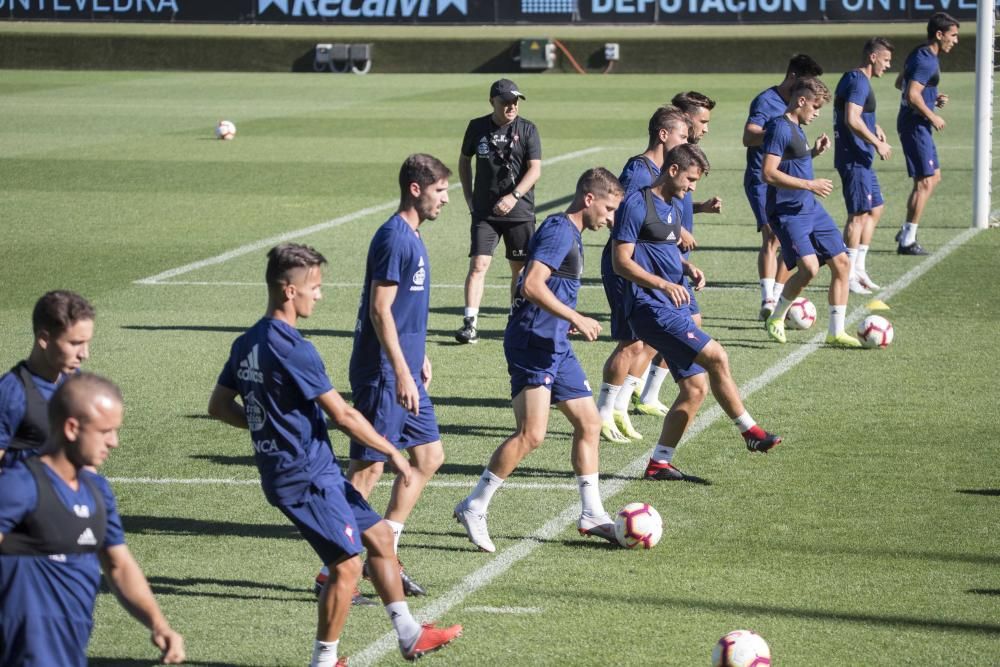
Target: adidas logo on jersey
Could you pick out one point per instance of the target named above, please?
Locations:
(250, 368)
(671, 237)
(87, 538)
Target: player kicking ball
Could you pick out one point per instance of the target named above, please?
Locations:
(808, 235)
(543, 369)
(656, 302)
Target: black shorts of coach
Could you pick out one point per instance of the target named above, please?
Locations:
(486, 235)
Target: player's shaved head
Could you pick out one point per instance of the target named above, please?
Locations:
(876, 44)
(80, 397)
(285, 258)
(668, 118)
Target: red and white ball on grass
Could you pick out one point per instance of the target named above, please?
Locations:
(802, 314)
(875, 331)
(741, 648)
(638, 525)
(225, 130)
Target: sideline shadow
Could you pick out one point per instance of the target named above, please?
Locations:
(223, 328)
(979, 492)
(98, 661)
(142, 524)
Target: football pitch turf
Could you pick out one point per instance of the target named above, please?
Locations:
(869, 537)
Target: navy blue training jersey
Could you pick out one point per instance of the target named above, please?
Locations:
(923, 67)
(396, 254)
(787, 140)
(765, 107)
(656, 248)
(558, 244)
(278, 375)
(639, 172)
(849, 148)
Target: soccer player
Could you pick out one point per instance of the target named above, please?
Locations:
(857, 138)
(501, 200)
(623, 371)
(389, 369)
(284, 392)
(769, 104)
(809, 237)
(60, 528)
(63, 324)
(916, 121)
(543, 369)
(647, 256)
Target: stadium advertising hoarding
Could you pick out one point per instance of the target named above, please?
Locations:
(484, 11)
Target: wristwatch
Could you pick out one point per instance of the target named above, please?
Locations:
(517, 195)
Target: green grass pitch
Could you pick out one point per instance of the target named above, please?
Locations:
(868, 538)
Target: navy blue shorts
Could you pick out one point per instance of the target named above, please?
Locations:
(332, 520)
(673, 334)
(377, 402)
(757, 196)
(862, 192)
(560, 372)
(919, 150)
(813, 233)
(693, 306)
(614, 290)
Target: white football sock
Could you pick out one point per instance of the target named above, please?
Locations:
(324, 654)
(852, 257)
(862, 255)
(778, 289)
(481, 496)
(781, 310)
(621, 402)
(645, 374)
(744, 422)
(406, 627)
(474, 314)
(397, 531)
(837, 315)
(909, 234)
(766, 288)
(663, 454)
(606, 400)
(590, 494)
(651, 392)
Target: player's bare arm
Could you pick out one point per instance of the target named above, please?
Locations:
(353, 424)
(222, 405)
(821, 145)
(380, 311)
(688, 241)
(771, 175)
(858, 127)
(713, 205)
(465, 176)
(629, 269)
(753, 135)
(531, 175)
(915, 97)
(696, 275)
(129, 584)
(535, 290)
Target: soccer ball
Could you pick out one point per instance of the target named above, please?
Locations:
(741, 648)
(875, 331)
(802, 314)
(638, 525)
(225, 130)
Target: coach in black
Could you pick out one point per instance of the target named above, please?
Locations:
(508, 155)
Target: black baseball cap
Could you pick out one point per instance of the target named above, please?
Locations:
(506, 90)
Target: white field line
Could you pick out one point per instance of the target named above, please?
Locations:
(227, 283)
(439, 484)
(306, 231)
(504, 610)
(520, 550)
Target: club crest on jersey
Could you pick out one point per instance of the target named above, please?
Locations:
(81, 511)
(254, 409)
(483, 149)
(419, 277)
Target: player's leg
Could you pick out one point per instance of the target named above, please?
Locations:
(615, 370)
(485, 238)
(516, 237)
(797, 251)
(828, 244)
(923, 167)
(414, 639)
(531, 413)
(640, 356)
(691, 392)
(334, 605)
(571, 394)
(364, 475)
(649, 399)
(867, 234)
(767, 256)
(714, 359)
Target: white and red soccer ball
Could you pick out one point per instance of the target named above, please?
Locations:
(875, 331)
(802, 314)
(225, 130)
(741, 648)
(638, 525)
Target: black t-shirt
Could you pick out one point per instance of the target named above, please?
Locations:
(501, 156)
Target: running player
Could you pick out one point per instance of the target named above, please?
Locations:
(543, 369)
(284, 397)
(809, 237)
(857, 138)
(769, 104)
(917, 120)
(656, 302)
